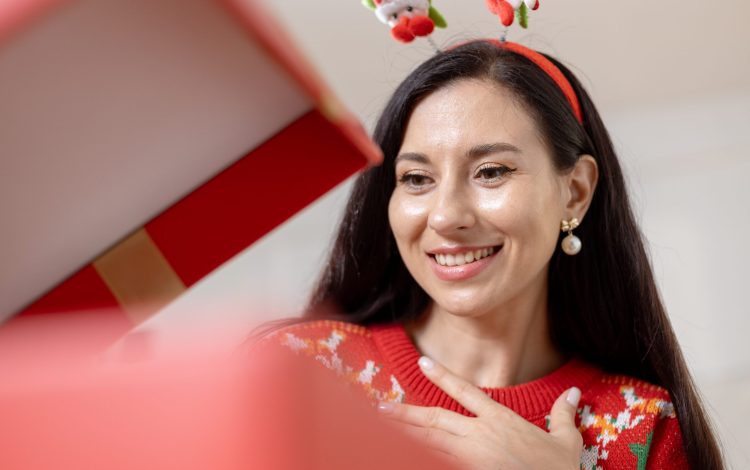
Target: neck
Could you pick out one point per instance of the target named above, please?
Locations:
(507, 346)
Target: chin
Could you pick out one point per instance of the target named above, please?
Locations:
(459, 307)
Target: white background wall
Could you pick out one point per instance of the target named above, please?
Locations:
(672, 80)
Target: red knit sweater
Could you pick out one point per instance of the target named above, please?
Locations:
(626, 423)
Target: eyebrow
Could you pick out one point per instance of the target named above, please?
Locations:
(475, 152)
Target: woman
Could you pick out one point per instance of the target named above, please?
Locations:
(451, 250)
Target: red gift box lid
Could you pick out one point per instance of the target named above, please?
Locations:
(137, 136)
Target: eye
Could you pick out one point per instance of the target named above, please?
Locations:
(492, 173)
(415, 180)
(395, 16)
(409, 9)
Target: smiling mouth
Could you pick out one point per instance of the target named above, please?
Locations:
(464, 258)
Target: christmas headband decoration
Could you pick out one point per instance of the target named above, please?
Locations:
(409, 19)
(508, 9)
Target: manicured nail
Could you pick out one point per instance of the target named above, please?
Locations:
(574, 395)
(426, 363)
(385, 407)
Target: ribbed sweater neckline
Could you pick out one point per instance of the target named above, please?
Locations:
(532, 400)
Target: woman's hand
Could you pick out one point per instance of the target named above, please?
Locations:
(497, 438)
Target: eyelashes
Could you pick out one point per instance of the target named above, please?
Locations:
(499, 171)
(486, 173)
(413, 179)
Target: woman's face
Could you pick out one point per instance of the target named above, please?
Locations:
(474, 180)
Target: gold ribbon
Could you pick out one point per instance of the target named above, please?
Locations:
(139, 276)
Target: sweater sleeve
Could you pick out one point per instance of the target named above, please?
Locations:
(666, 450)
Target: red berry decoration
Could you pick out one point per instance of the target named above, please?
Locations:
(421, 26)
(503, 9)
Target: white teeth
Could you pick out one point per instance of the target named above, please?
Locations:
(463, 258)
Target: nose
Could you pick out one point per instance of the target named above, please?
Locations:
(452, 209)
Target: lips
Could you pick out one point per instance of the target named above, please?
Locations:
(464, 271)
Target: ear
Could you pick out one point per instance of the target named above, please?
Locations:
(581, 183)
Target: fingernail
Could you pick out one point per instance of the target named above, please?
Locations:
(385, 407)
(425, 363)
(574, 395)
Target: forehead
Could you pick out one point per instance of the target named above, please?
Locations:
(468, 113)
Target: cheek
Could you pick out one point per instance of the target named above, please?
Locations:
(526, 215)
(510, 210)
(407, 217)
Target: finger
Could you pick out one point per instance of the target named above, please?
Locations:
(427, 417)
(468, 395)
(436, 439)
(562, 418)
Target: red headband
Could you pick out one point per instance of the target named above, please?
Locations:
(549, 68)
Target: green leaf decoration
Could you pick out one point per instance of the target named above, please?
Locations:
(436, 17)
(522, 14)
(641, 451)
(369, 4)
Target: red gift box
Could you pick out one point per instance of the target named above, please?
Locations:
(146, 142)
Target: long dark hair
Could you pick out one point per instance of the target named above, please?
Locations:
(604, 305)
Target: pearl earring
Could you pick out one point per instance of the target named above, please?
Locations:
(571, 244)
